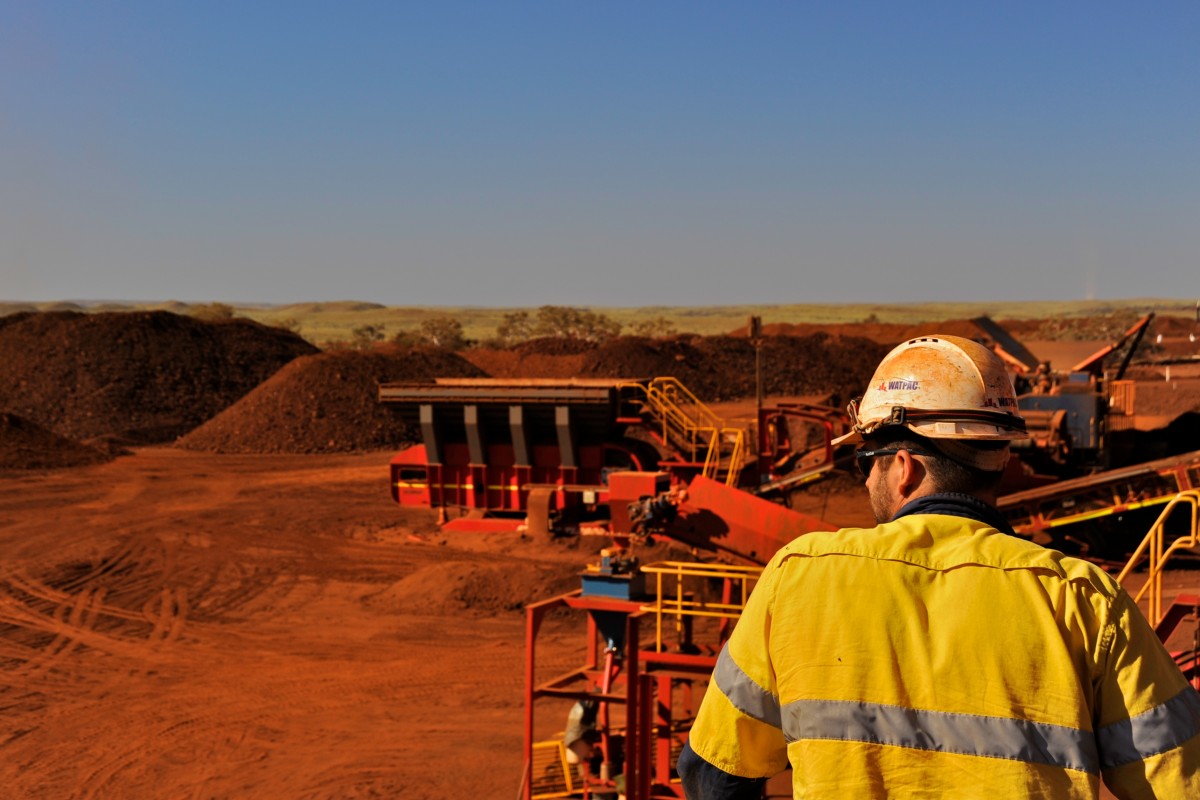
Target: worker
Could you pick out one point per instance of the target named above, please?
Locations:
(937, 655)
(1044, 382)
(583, 742)
(581, 735)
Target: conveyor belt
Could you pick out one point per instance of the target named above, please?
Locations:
(1048, 512)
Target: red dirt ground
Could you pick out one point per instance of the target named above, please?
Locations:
(182, 622)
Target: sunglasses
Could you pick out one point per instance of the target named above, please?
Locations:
(865, 458)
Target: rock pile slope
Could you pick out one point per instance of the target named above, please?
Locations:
(25, 445)
(146, 377)
(325, 403)
(719, 368)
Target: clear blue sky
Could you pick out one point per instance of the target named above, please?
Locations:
(599, 153)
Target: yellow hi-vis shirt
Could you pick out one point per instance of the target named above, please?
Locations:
(935, 657)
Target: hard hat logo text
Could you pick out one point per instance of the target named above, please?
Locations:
(899, 386)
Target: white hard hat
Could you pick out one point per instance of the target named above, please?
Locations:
(939, 387)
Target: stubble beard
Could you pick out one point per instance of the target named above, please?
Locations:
(881, 499)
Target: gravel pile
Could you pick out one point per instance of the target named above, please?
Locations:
(326, 403)
(146, 377)
(25, 445)
(720, 368)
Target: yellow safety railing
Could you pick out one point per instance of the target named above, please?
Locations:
(551, 771)
(1155, 549)
(688, 421)
(736, 439)
(675, 603)
(682, 413)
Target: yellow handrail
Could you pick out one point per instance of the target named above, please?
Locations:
(735, 455)
(1152, 546)
(551, 771)
(692, 422)
(676, 604)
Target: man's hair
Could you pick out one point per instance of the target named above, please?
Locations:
(949, 475)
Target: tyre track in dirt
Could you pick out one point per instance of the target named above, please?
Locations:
(329, 702)
(284, 631)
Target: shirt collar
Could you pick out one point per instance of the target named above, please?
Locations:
(956, 504)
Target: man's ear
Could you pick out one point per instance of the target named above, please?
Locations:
(911, 473)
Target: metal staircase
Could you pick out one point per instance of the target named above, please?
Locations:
(1156, 552)
(690, 428)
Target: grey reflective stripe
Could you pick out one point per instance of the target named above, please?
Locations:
(964, 734)
(746, 695)
(1158, 730)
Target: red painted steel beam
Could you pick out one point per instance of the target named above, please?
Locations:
(718, 518)
(1184, 606)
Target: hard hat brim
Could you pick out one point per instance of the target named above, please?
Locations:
(853, 437)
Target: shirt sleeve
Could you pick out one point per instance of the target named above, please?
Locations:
(1147, 714)
(702, 781)
(738, 728)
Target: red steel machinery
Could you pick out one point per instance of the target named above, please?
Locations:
(540, 452)
(634, 459)
(653, 633)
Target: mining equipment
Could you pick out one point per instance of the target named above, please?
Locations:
(537, 454)
(1100, 516)
(1072, 415)
(1088, 487)
(633, 459)
(652, 636)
